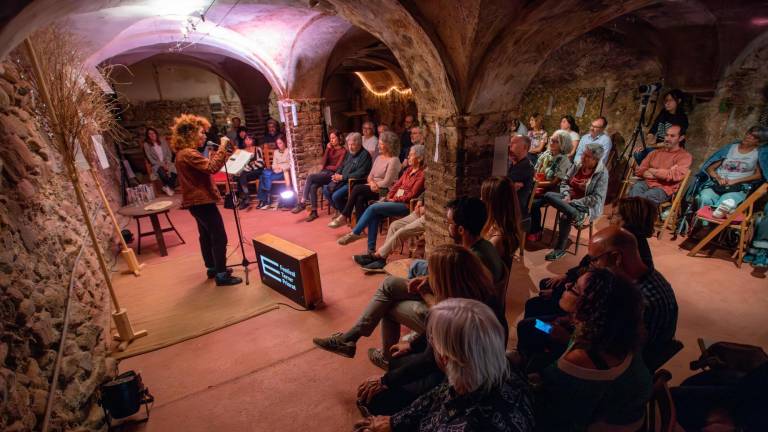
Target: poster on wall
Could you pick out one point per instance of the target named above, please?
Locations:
(581, 106)
(500, 155)
(327, 114)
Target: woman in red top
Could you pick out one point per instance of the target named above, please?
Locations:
(397, 203)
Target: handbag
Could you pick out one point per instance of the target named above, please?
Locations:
(123, 396)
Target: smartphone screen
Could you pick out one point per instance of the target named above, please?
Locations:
(541, 325)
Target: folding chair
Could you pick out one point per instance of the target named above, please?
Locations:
(741, 223)
(674, 206)
(660, 414)
(588, 224)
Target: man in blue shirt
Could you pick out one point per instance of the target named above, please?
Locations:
(596, 135)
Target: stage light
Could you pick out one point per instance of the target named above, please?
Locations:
(286, 195)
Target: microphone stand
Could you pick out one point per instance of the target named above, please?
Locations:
(236, 211)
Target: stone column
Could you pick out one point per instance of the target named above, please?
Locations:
(306, 137)
(465, 159)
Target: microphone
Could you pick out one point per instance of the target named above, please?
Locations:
(227, 144)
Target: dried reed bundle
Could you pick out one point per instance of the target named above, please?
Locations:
(78, 107)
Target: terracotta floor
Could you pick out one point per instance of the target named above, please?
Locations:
(265, 375)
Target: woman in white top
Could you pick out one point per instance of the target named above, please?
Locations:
(370, 142)
(160, 158)
(568, 124)
(280, 170)
(252, 171)
(383, 174)
(538, 136)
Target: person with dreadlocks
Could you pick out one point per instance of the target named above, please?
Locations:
(199, 194)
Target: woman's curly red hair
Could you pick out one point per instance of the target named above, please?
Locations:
(185, 132)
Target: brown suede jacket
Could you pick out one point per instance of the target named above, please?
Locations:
(195, 176)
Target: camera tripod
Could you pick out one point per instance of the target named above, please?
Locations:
(629, 149)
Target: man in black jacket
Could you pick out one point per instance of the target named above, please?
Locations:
(356, 165)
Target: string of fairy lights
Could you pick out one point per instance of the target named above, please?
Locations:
(393, 89)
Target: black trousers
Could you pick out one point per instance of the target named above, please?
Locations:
(358, 200)
(315, 181)
(168, 178)
(242, 182)
(213, 236)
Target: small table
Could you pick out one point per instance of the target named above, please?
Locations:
(161, 205)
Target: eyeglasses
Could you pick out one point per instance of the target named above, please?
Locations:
(595, 127)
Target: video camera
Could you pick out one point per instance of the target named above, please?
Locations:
(649, 89)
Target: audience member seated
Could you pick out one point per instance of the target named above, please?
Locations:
(568, 124)
(538, 136)
(517, 127)
(481, 393)
(638, 216)
(411, 368)
(553, 165)
(596, 135)
(732, 171)
(383, 174)
(405, 137)
(370, 142)
(598, 383)
(252, 171)
(280, 170)
(466, 218)
(332, 160)
(380, 129)
(417, 138)
(581, 197)
(758, 253)
(615, 249)
(397, 202)
(271, 134)
(662, 171)
(520, 170)
(242, 133)
(672, 114)
(356, 165)
(160, 159)
(233, 130)
(504, 225)
(399, 231)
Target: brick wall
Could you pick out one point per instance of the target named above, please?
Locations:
(307, 137)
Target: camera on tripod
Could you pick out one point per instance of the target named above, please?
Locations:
(649, 89)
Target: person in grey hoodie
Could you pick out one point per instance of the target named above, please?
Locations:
(581, 196)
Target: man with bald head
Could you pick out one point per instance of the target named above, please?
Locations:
(615, 249)
(520, 170)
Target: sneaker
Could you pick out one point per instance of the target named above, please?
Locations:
(312, 216)
(580, 220)
(349, 238)
(263, 206)
(533, 237)
(364, 260)
(377, 358)
(336, 345)
(298, 209)
(227, 279)
(338, 221)
(555, 255)
(212, 273)
(376, 266)
(168, 191)
(724, 209)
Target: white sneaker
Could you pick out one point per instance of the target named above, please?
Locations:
(168, 191)
(724, 209)
(338, 221)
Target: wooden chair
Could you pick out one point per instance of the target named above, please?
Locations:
(740, 220)
(660, 414)
(674, 206)
(629, 179)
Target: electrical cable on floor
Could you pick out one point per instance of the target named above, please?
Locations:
(64, 329)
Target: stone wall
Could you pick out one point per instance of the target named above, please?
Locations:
(40, 235)
(307, 137)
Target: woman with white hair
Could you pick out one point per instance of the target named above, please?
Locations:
(581, 198)
(481, 393)
(397, 202)
(370, 142)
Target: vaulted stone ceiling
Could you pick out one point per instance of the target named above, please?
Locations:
(468, 56)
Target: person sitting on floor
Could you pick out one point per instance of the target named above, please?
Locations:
(521, 170)
(481, 393)
(199, 195)
(466, 218)
(732, 171)
(160, 159)
(663, 170)
(581, 198)
(409, 186)
(332, 159)
(504, 225)
(280, 170)
(399, 231)
(552, 165)
(598, 383)
(598, 136)
(252, 171)
(383, 174)
(411, 368)
(356, 165)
